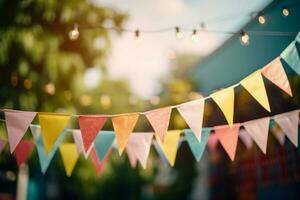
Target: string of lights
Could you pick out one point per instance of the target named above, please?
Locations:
(244, 36)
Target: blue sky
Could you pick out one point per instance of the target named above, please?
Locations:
(147, 62)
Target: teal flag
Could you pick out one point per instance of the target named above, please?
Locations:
(291, 57)
(103, 142)
(197, 147)
(43, 157)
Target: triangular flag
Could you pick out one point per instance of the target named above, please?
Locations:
(193, 112)
(77, 136)
(274, 71)
(254, 84)
(277, 132)
(291, 57)
(123, 126)
(288, 122)
(138, 148)
(212, 142)
(196, 146)
(90, 126)
(52, 126)
(169, 147)
(258, 130)
(225, 100)
(17, 122)
(99, 165)
(161, 153)
(228, 137)
(159, 120)
(69, 156)
(43, 157)
(2, 144)
(246, 138)
(23, 150)
(103, 143)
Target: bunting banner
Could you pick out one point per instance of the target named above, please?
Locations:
(193, 112)
(90, 127)
(17, 122)
(159, 120)
(99, 165)
(197, 147)
(225, 100)
(254, 84)
(52, 125)
(228, 137)
(77, 136)
(123, 126)
(23, 150)
(291, 56)
(69, 156)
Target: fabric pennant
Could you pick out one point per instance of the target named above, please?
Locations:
(254, 84)
(159, 120)
(228, 137)
(192, 112)
(99, 165)
(246, 138)
(17, 122)
(52, 125)
(197, 147)
(274, 71)
(90, 126)
(123, 126)
(259, 129)
(45, 159)
(291, 57)
(170, 145)
(69, 156)
(2, 144)
(225, 100)
(23, 150)
(138, 148)
(288, 122)
(77, 136)
(212, 142)
(103, 143)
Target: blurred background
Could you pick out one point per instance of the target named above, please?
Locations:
(44, 66)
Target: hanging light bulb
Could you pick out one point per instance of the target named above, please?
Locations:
(285, 11)
(194, 36)
(179, 34)
(244, 38)
(137, 36)
(74, 33)
(262, 19)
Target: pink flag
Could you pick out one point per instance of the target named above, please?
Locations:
(193, 112)
(212, 142)
(17, 122)
(228, 136)
(274, 71)
(138, 148)
(2, 145)
(288, 122)
(90, 127)
(23, 151)
(258, 129)
(79, 143)
(159, 120)
(99, 165)
(245, 137)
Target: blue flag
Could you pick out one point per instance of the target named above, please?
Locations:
(103, 142)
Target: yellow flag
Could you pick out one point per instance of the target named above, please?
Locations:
(123, 126)
(52, 126)
(225, 100)
(254, 84)
(69, 156)
(169, 147)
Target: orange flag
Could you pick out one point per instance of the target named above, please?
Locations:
(123, 126)
(228, 136)
(159, 120)
(274, 71)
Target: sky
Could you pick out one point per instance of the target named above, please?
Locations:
(147, 62)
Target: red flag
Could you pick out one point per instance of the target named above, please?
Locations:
(23, 151)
